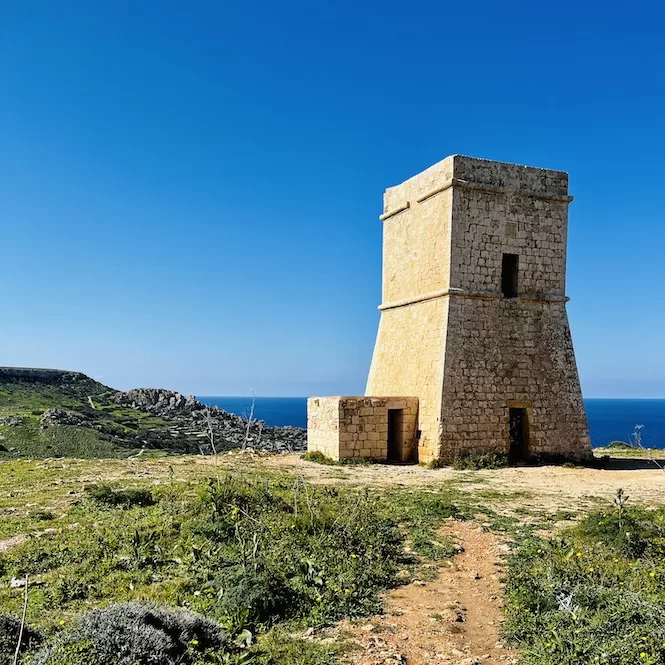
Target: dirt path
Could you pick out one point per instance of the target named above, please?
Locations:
(455, 618)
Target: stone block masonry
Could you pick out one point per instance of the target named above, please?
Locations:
(473, 321)
(377, 428)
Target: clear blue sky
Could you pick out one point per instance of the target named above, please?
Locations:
(189, 191)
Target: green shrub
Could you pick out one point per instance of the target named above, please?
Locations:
(633, 532)
(318, 457)
(303, 552)
(433, 548)
(10, 629)
(105, 495)
(593, 594)
(252, 595)
(476, 461)
(135, 634)
(620, 445)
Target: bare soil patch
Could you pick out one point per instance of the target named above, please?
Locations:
(544, 487)
(455, 618)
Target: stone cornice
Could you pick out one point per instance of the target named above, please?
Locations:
(469, 293)
(392, 213)
(479, 186)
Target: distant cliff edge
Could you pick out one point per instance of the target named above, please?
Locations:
(58, 413)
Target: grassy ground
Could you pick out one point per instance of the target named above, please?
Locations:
(259, 548)
(631, 452)
(114, 431)
(593, 594)
(256, 550)
(109, 429)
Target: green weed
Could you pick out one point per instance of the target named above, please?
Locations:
(474, 462)
(105, 495)
(594, 593)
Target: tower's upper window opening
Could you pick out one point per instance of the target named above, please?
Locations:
(509, 274)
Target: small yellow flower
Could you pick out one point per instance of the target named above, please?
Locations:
(194, 643)
(652, 574)
(61, 622)
(591, 570)
(579, 554)
(643, 654)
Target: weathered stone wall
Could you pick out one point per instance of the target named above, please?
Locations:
(323, 426)
(448, 336)
(416, 241)
(408, 355)
(489, 223)
(510, 353)
(408, 360)
(357, 427)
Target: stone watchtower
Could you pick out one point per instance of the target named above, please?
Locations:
(473, 323)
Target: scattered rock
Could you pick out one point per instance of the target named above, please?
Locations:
(190, 423)
(62, 417)
(6, 545)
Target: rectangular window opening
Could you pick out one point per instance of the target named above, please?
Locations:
(509, 272)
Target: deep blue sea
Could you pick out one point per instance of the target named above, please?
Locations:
(609, 419)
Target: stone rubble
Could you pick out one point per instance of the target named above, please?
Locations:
(192, 419)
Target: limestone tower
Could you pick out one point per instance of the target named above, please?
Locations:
(473, 314)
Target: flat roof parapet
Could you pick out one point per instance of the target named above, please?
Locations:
(474, 173)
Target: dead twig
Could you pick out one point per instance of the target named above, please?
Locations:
(637, 442)
(25, 611)
(211, 438)
(249, 420)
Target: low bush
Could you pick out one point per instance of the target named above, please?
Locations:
(299, 552)
(137, 634)
(476, 461)
(253, 595)
(593, 594)
(318, 457)
(10, 629)
(106, 495)
(620, 445)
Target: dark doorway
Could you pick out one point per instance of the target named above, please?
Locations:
(395, 435)
(509, 272)
(519, 435)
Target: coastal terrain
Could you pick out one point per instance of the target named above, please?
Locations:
(123, 528)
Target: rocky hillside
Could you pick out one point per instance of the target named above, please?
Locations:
(47, 413)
